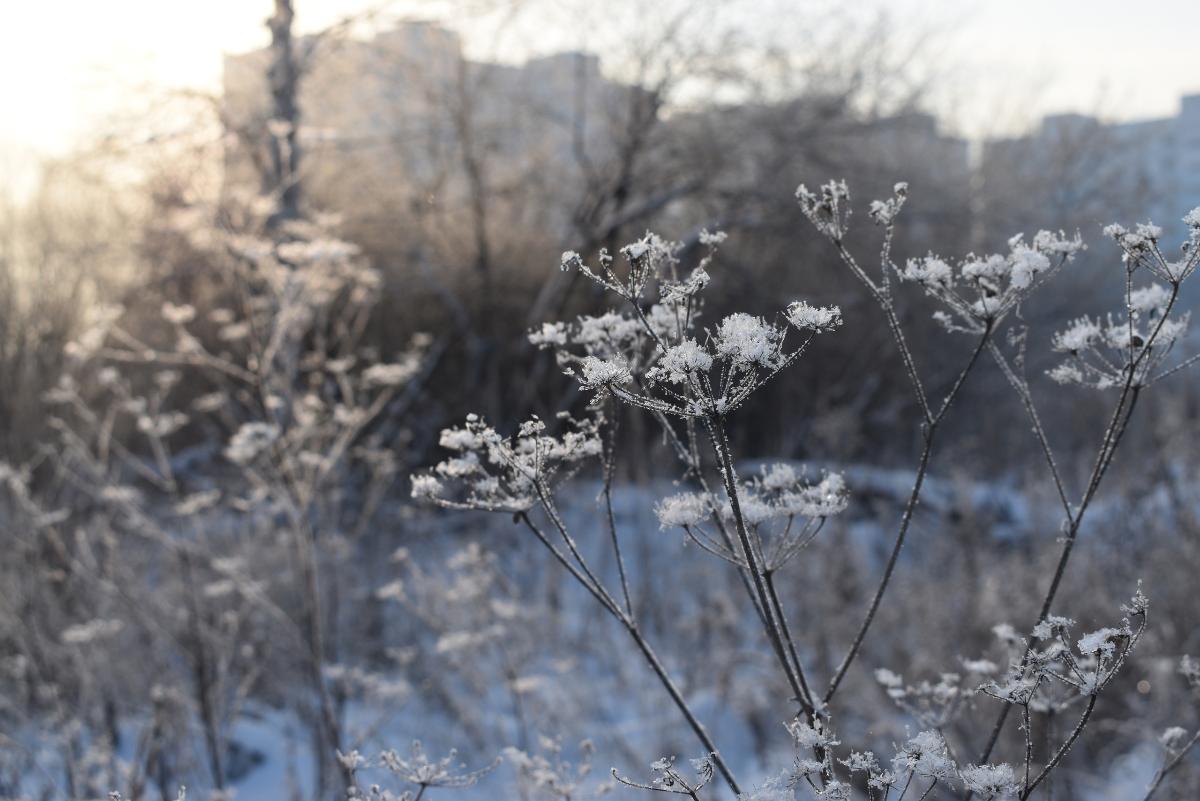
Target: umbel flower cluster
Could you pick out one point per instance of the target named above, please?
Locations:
(1132, 347)
(416, 769)
(501, 474)
(1086, 666)
(653, 355)
(784, 511)
(977, 292)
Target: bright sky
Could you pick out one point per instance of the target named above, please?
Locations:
(1020, 59)
(69, 64)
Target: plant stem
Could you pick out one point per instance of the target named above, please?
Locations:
(720, 445)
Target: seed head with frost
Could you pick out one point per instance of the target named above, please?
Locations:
(828, 209)
(814, 318)
(683, 510)
(680, 362)
(494, 473)
(980, 291)
(924, 755)
(990, 782)
(596, 373)
(1132, 348)
(669, 779)
(933, 704)
(549, 773)
(746, 341)
(417, 768)
(650, 355)
(783, 511)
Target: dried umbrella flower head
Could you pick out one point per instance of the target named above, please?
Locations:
(493, 473)
(784, 511)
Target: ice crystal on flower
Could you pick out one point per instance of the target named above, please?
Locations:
(493, 473)
(417, 768)
(596, 373)
(924, 755)
(748, 340)
(814, 318)
(1027, 264)
(811, 735)
(685, 509)
(681, 361)
(1051, 625)
(1173, 737)
(930, 271)
(990, 781)
(1102, 641)
(1082, 333)
(425, 487)
(550, 334)
(681, 291)
(1154, 297)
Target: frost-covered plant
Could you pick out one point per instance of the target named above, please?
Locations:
(498, 474)
(977, 299)
(656, 358)
(1133, 347)
(1175, 741)
(998, 284)
(980, 291)
(668, 779)
(1126, 356)
(924, 757)
(415, 768)
(934, 704)
(548, 773)
(652, 358)
(1050, 660)
(653, 353)
(278, 371)
(783, 512)
(990, 781)
(1086, 666)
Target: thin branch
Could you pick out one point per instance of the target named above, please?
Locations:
(1171, 765)
(1021, 387)
(606, 601)
(1062, 751)
(929, 433)
(769, 578)
(610, 463)
(721, 446)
